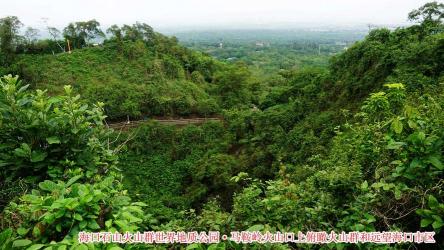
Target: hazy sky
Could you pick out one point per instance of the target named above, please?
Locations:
(164, 14)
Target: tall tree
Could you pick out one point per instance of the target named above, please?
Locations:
(9, 36)
(31, 35)
(81, 33)
(139, 31)
(429, 13)
(115, 32)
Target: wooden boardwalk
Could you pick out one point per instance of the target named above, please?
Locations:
(175, 122)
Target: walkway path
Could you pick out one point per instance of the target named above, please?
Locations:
(175, 122)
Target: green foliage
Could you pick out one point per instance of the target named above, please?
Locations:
(9, 37)
(355, 147)
(376, 106)
(409, 55)
(59, 211)
(133, 78)
(310, 159)
(135, 32)
(432, 216)
(44, 136)
(231, 86)
(62, 140)
(331, 195)
(157, 172)
(211, 174)
(80, 33)
(6, 239)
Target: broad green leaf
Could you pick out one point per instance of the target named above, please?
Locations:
(36, 232)
(416, 163)
(20, 152)
(108, 223)
(397, 125)
(364, 185)
(92, 224)
(370, 218)
(73, 180)
(81, 247)
(22, 89)
(5, 235)
(433, 202)
(72, 204)
(193, 246)
(215, 247)
(23, 151)
(115, 248)
(48, 185)
(417, 137)
(21, 243)
(37, 156)
(78, 217)
(437, 224)
(131, 218)
(22, 231)
(359, 227)
(419, 211)
(412, 124)
(436, 162)
(53, 140)
(426, 222)
(54, 99)
(255, 228)
(141, 204)
(35, 247)
(398, 194)
(395, 145)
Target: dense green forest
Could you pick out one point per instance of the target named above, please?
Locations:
(266, 52)
(348, 141)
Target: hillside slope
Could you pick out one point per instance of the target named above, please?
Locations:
(133, 78)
